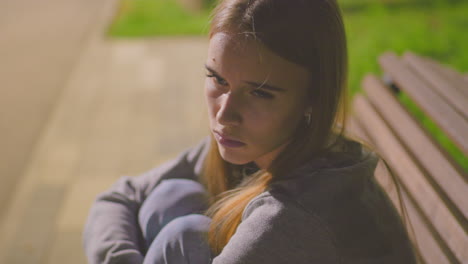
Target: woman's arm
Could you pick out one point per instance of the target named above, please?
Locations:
(111, 233)
(275, 230)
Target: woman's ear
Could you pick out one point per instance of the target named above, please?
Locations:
(308, 114)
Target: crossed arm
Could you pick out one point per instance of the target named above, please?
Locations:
(273, 229)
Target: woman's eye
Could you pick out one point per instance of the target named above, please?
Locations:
(218, 79)
(262, 94)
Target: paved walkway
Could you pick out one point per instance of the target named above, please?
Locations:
(40, 43)
(127, 106)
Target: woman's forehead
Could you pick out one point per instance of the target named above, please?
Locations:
(246, 56)
(228, 45)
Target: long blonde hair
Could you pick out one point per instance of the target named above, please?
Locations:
(310, 34)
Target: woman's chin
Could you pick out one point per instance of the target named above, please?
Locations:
(232, 156)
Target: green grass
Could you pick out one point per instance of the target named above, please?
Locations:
(435, 31)
(144, 18)
(433, 28)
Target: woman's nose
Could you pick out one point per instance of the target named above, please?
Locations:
(228, 113)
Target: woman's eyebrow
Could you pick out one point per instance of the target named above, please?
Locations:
(212, 71)
(255, 84)
(265, 86)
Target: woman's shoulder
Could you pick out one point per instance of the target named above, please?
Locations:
(331, 178)
(323, 182)
(361, 227)
(345, 200)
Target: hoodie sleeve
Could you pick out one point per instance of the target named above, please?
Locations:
(277, 231)
(112, 234)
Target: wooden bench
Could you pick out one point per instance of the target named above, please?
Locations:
(434, 188)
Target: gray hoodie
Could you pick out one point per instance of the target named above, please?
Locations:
(330, 210)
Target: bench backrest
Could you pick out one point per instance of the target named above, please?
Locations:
(435, 189)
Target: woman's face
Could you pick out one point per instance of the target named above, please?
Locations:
(255, 99)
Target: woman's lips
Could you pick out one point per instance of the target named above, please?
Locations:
(230, 143)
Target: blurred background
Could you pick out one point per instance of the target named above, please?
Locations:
(94, 90)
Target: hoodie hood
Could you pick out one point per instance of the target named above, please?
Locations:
(322, 180)
(341, 192)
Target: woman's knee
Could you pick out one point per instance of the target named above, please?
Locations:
(183, 240)
(188, 185)
(188, 225)
(170, 199)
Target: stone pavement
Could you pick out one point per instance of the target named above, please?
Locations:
(126, 106)
(40, 42)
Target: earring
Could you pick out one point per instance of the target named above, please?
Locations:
(308, 116)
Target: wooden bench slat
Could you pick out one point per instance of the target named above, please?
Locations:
(413, 179)
(447, 89)
(451, 179)
(430, 249)
(452, 122)
(452, 76)
(427, 244)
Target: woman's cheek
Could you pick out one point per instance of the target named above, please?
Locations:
(259, 112)
(212, 95)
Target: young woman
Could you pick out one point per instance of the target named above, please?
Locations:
(277, 181)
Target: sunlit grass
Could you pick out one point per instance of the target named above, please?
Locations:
(436, 32)
(144, 18)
